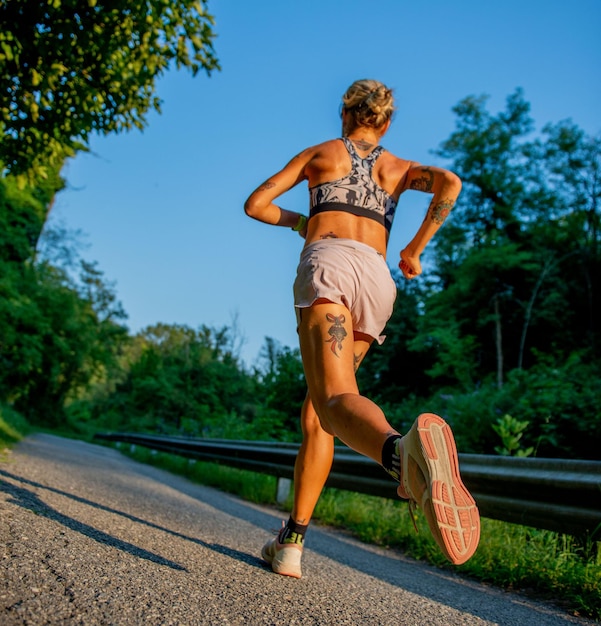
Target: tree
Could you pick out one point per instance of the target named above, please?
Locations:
(283, 387)
(393, 371)
(22, 215)
(53, 342)
(182, 380)
(72, 67)
(487, 155)
(571, 174)
(57, 334)
(519, 264)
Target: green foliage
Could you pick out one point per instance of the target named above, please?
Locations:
(559, 402)
(22, 215)
(282, 386)
(519, 266)
(13, 427)
(511, 431)
(393, 370)
(179, 380)
(486, 154)
(71, 68)
(57, 333)
(53, 340)
(454, 352)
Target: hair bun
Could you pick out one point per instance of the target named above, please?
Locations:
(369, 102)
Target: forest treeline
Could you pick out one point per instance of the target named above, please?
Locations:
(501, 334)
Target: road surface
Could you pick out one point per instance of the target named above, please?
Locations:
(90, 537)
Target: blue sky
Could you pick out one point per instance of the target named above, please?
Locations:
(161, 210)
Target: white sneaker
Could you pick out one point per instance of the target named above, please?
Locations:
(284, 558)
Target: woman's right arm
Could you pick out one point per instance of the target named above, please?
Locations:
(260, 204)
(445, 186)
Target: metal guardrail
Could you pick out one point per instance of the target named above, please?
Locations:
(554, 494)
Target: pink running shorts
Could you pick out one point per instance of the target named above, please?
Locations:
(349, 273)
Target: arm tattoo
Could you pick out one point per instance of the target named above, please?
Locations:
(425, 182)
(266, 185)
(439, 211)
(337, 331)
(357, 360)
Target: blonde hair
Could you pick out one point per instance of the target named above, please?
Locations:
(368, 103)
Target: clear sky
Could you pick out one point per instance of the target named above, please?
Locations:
(161, 210)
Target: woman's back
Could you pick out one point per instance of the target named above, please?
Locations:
(354, 188)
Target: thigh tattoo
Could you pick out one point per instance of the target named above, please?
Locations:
(337, 331)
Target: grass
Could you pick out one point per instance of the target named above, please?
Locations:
(13, 427)
(541, 563)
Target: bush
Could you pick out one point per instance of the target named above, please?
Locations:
(13, 427)
(559, 403)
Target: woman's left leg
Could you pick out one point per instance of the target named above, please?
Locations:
(313, 464)
(328, 351)
(315, 456)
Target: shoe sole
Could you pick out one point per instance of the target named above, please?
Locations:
(449, 508)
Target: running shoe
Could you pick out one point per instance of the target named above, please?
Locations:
(284, 558)
(431, 479)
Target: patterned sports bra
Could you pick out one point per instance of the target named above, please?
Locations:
(357, 192)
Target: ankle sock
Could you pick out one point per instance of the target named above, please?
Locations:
(293, 532)
(391, 456)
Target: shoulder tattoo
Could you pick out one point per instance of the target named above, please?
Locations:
(424, 182)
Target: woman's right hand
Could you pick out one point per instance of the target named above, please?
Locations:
(410, 265)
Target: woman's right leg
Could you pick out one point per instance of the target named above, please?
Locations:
(424, 461)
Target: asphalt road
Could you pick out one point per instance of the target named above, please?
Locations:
(90, 537)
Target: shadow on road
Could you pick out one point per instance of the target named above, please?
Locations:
(28, 500)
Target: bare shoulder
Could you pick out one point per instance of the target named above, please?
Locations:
(329, 160)
(330, 146)
(395, 161)
(392, 171)
(326, 148)
(335, 142)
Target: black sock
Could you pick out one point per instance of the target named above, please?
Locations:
(391, 458)
(293, 532)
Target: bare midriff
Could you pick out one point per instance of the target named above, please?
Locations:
(342, 225)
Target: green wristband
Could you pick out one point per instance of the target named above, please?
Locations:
(302, 222)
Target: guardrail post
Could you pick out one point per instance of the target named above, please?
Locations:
(283, 490)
